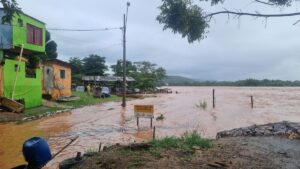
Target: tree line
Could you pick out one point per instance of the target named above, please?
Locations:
(147, 75)
(247, 82)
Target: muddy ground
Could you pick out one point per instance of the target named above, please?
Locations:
(10, 117)
(231, 152)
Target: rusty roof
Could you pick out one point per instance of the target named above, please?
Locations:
(106, 78)
(57, 61)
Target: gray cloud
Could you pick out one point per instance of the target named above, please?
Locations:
(234, 49)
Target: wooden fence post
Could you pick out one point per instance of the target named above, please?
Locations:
(153, 132)
(252, 104)
(214, 100)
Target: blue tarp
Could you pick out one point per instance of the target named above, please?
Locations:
(5, 34)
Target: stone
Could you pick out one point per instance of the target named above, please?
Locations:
(288, 129)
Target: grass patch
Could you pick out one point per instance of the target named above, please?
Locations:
(86, 100)
(136, 162)
(194, 139)
(155, 152)
(167, 142)
(187, 141)
(40, 110)
(179, 150)
(126, 152)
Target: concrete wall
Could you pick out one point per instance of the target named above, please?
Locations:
(12, 35)
(53, 82)
(1, 82)
(20, 33)
(27, 89)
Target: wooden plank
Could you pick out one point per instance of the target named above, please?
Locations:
(12, 105)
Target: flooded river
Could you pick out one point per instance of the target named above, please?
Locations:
(109, 123)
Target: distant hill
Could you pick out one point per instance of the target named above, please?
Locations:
(178, 81)
(183, 81)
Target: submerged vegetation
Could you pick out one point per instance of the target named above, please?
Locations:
(202, 105)
(160, 117)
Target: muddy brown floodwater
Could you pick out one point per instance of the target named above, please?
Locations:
(109, 123)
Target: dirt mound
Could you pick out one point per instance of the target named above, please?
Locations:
(230, 152)
(287, 129)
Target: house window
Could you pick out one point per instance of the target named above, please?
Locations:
(62, 74)
(34, 35)
(20, 22)
(30, 72)
(48, 71)
(16, 67)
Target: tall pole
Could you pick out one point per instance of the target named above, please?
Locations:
(124, 63)
(124, 56)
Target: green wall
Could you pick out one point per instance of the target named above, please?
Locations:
(29, 89)
(20, 33)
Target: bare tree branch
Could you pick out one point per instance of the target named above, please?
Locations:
(296, 22)
(266, 3)
(251, 14)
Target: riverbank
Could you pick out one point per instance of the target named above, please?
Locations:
(233, 149)
(230, 152)
(51, 108)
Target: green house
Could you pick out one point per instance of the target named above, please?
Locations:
(23, 84)
(28, 89)
(24, 30)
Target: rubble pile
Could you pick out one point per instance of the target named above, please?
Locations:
(284, 128)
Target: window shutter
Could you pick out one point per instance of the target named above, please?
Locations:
(34, 35)
(30, 34)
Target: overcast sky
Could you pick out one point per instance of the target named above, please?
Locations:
(234, 49)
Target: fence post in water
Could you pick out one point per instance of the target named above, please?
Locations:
(153, 132)
(214, 104)
(252, 102)
(100, 145)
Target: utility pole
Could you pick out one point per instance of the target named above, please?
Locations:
(124, 56)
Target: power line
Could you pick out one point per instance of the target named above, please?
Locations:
(83, 30)
(70, 30)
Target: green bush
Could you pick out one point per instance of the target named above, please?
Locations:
(187, 141)
(194, 139)
(166, 142)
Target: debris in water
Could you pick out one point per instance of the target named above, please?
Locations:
(160, 118)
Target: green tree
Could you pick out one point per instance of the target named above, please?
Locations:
(191, 21)
(94, 65)
(77, 69)
(10, 7)
(148, 75)
(76, 65)
(118, 68)
(51, 47)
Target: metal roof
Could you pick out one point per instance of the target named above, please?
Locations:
(106, 78)
(57, 61)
